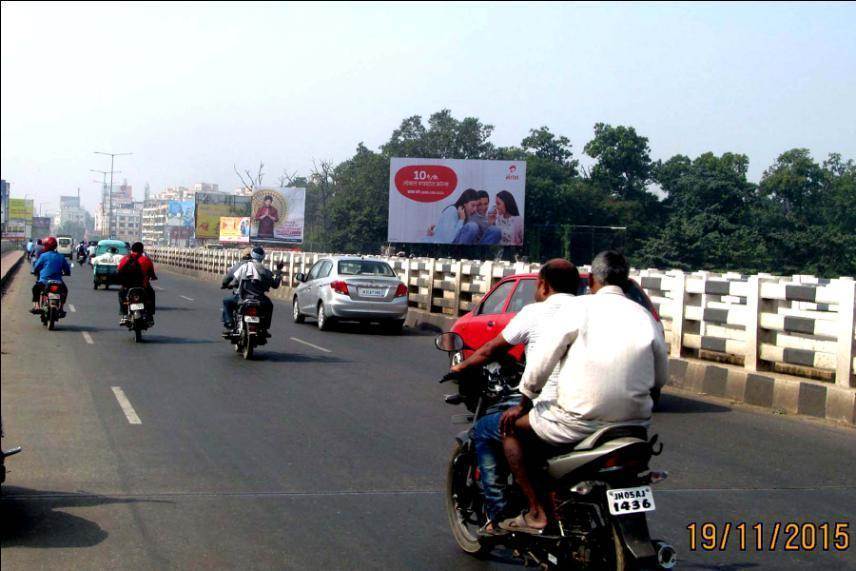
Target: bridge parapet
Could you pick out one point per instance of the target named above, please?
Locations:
(798, 325)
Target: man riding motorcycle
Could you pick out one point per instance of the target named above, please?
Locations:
(558, 281)
(612, 355)
(258, 280)
(50, 266)
(81, 252)
(136, 270)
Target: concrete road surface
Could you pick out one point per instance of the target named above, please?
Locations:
(327, 452)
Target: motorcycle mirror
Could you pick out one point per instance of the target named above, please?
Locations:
(449, 342)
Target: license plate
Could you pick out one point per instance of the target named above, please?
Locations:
(371, 292)
(250, 319)
(54, 296)
(138, 306)
(630, 500)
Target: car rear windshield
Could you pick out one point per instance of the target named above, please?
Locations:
(122, 250)
(64, 241)
(365, 268)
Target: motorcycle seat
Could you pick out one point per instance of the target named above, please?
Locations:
(596, 439)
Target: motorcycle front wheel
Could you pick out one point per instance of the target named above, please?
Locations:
(464, 530)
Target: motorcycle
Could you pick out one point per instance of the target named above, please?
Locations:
(136, 318)
(247, 330)
(81, 259)
(5, 454)
(598, 490)
(50, 303)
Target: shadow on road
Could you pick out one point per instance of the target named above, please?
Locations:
(34, 518)
(277, 357)
(64, 327)
(379, 331)
(719, 566)
(670, 403)
(175, 340)
(160, 308)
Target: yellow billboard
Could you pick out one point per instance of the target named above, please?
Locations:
(235, 229)
(210, 207)
(20, 209)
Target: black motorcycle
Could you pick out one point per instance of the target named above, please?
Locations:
(248, 330)
(597, 491)
(137, 318)
(50, 303)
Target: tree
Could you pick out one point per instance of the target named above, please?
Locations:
(623, 161)
(445, 138)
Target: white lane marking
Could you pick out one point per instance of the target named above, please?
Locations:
(88, 337)
(307, 343)
(129, 411)
(71, 307)
(159, 288)
(185, 297)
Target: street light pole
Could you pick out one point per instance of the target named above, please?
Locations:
(110, 199)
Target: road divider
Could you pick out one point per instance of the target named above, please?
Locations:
(88, 338)
(308, 344)
(125, 404)
(185, 297)
(71, 308)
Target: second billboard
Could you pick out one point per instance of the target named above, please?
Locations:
(451, 201)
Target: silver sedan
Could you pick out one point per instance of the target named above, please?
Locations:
(350, 288)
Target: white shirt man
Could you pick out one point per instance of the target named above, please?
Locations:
(611, 355)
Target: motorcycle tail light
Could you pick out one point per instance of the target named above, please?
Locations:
(251, 311)
(401, 291)
(339, 287)
(53, 288)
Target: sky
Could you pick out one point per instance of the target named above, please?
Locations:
(193, 89)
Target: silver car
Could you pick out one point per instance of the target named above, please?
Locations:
(350, 288)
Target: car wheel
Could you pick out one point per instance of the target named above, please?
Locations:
(324, 323)
(295, 312)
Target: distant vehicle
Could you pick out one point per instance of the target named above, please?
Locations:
(65, 246)
(350, 288)
(105, 264)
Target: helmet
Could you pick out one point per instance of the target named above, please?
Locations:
(258, 253)
(137, 247)
(49, 243)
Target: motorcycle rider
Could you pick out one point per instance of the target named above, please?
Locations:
(611, 354)
(38, 248)
(558, 282)
(50, 266)
(136, 270)
(259, 280)
(90, 252)
(81, 252)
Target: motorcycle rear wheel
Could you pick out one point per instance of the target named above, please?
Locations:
(138, 333)
(248, 348)
(466, 537)
(51, 319)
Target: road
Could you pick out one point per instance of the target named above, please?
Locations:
(328, 452)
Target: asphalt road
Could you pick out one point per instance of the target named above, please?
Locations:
(330, 456)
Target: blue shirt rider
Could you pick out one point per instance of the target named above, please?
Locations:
(50, 266)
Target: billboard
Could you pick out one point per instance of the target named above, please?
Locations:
(452, 201)
(20, 209)
(211, 206)
(179, 213)
(41, 227)
(277, 215)
(235, 229)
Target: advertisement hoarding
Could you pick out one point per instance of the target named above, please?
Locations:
(452, 201)
(20, 209)
(41, 227)
(235, 230)
(179, 213)
(278, 215)
(211, 206)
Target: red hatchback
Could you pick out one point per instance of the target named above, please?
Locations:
(508, 297)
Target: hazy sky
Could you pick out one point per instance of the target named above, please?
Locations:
(192, 89)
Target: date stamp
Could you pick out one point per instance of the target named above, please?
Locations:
(776, 536)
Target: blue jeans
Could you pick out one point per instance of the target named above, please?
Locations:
(230, 302)
(471, 233)
(492, 466)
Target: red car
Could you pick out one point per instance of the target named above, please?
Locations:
(508, 297)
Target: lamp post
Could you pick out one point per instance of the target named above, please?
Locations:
(110, 199)
(110, 195)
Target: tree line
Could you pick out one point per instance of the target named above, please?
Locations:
(689, 213)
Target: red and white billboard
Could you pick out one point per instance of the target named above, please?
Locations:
(452, 201)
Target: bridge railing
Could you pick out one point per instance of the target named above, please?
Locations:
(800, 325)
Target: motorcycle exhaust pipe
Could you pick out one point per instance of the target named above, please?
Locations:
(667, 557)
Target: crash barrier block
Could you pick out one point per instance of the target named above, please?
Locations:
(11, 260)
(797, 325)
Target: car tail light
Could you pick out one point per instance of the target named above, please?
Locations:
(401, 291)
(252, 310)
(53, 288)
(340, 287)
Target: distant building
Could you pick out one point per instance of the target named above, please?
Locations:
(5, 188)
